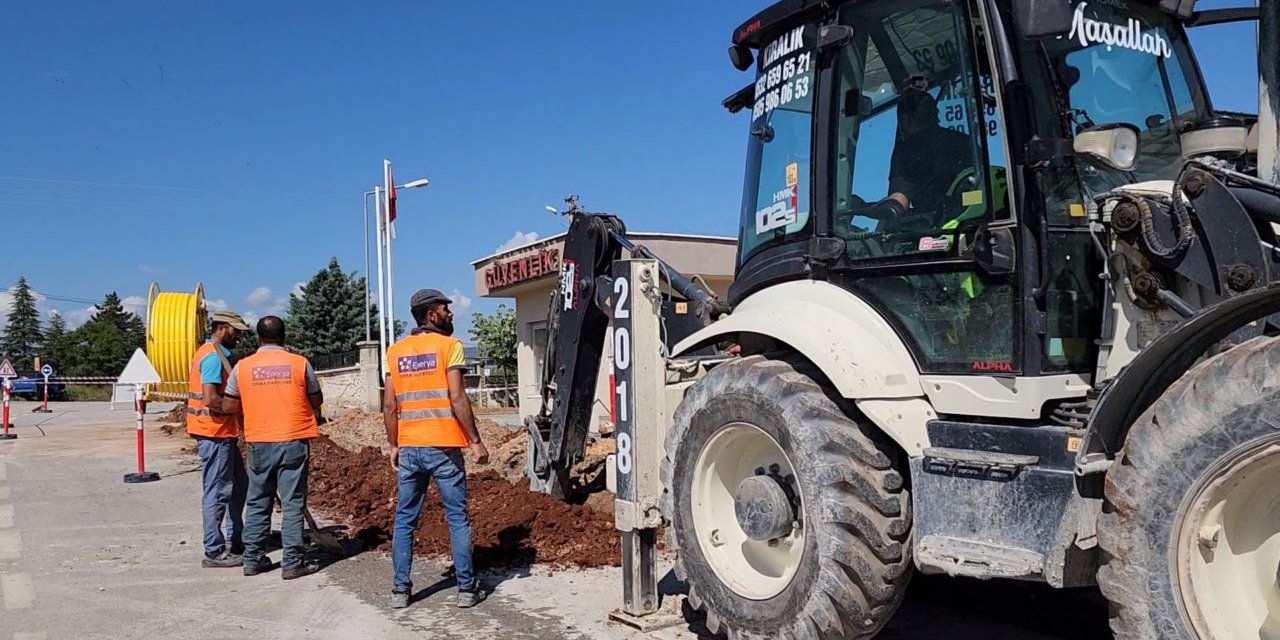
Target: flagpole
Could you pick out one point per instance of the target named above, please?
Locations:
(382, 299)
(368, 331)
(391, 319)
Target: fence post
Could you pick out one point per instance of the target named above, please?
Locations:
(370, 361)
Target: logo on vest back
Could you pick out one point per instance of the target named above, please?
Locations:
(416, 364)
(272, 374)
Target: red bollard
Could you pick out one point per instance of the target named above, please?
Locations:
(6, 435)
(142, 475)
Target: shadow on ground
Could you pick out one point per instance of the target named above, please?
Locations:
(962, 609)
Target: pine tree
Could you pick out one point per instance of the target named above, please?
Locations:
(105, 343)
(22, 331)
(328, 317)
(55, 350)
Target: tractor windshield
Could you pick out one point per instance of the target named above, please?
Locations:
(775, 199)
(1127, 62)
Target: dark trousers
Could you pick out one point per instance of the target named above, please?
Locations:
(276, 468)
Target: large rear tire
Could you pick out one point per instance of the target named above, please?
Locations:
(840, 567)
(1191, 526)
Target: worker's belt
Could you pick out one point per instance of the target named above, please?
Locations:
(426, 414)
(429, 394)
(203, 413)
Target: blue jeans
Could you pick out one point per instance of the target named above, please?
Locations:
(222, 502)
(276, 468)
(418, 465)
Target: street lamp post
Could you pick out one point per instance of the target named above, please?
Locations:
(386, 328)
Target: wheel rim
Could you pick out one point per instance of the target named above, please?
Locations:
(1227, 556)
(754, 569)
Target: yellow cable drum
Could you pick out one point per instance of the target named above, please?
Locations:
(175, 327)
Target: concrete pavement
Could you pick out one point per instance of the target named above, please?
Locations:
(84, 555)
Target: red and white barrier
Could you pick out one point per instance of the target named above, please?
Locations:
(6, 435)
(142, 475)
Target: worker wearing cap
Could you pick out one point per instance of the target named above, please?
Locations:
(280, 397)
(429, 422)
(215, 430)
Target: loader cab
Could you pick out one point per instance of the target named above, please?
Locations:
(922, 155)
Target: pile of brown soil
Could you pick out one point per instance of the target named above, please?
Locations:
(355, 429)
(510, 524)
(176, 415)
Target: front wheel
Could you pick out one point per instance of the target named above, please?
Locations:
(1191, 528)
(789, 519)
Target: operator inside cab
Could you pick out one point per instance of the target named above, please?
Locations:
(927, 157)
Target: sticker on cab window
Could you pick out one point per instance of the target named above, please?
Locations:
(930, 243)
(785, 209)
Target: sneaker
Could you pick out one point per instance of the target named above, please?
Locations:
(399, 599)
(307, 568)
(223, 560)
(467, 599)
(263, 565)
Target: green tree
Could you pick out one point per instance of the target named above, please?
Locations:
(104, 344)
(495, 336)
(22, 333)
(56, 348)
(329, 315)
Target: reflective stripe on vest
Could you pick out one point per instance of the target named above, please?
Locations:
(418, 369)
(200, 421)
(273, 395)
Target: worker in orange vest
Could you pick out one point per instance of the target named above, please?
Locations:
(215, 429)
(429, 422)
(280, 397)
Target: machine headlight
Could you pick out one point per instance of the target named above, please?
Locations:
(1114, 145)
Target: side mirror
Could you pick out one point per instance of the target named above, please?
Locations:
(994, 250)
(741, 57)
(1114, 146)
(1042, 18)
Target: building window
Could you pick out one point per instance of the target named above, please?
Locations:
(538, 339)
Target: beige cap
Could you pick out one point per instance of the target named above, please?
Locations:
(230, 317)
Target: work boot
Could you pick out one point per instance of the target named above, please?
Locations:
(470, 597)
(307, 568)
(263, 565)
(224, 560)
(399, 599)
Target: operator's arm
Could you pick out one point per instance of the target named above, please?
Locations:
(391, 420)
(899, 186)
(462, 404)
(231, 399)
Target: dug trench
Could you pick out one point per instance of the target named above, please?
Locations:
(352, 482)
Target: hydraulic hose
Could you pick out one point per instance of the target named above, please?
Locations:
(175, 326)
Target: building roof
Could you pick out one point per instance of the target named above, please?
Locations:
(633, 235)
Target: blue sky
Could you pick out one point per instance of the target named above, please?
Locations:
(230, 143)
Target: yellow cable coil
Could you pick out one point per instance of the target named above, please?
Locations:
(175, 327)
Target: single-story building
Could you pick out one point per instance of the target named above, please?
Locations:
(528, 275)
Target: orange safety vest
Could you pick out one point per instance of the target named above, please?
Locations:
(419, 364)
(200, 421)
(273, 395)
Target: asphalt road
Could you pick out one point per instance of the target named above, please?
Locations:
(84, 555)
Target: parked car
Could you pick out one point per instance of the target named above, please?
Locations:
(30, 385)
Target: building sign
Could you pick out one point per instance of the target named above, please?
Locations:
(517, 270)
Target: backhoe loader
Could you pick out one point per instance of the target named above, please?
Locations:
(1005, 307)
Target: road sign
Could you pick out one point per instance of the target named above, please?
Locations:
(46, 371)
(6, 369)
(139, 370)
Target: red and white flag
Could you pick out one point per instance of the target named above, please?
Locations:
(390, 184)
